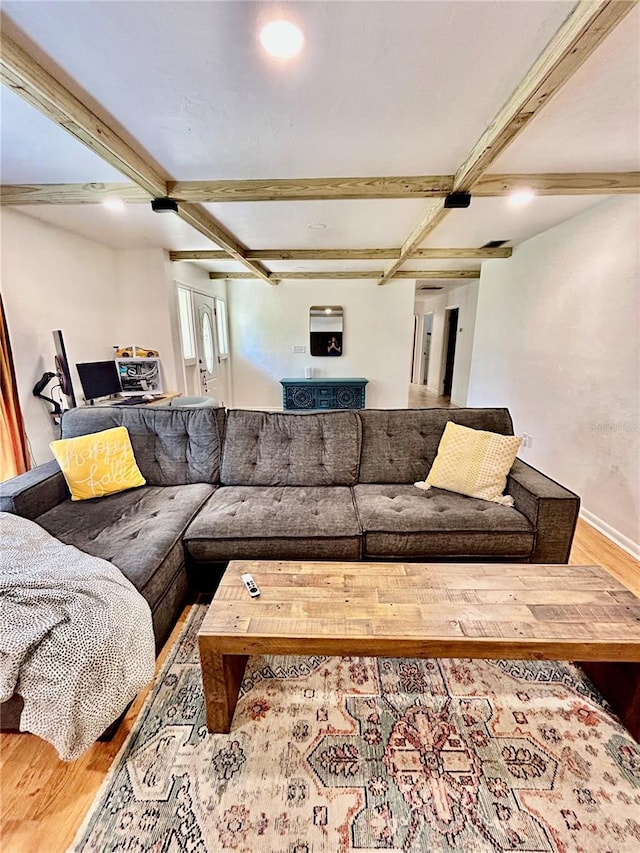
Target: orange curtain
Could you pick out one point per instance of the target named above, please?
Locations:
(14, 453)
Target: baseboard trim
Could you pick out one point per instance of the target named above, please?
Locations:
(610, 532)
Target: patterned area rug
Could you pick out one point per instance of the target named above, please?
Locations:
(330, 755)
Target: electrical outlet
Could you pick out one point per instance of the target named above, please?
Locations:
(527, 440)
(299, 349)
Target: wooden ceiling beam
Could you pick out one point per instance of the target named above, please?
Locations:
(202, 221)
(25, 194)
(430, 186)
(488, 186)
(355, 274)
(22, 73)
(342, 254)
(587, 25)
(558, 183)
(312, 189)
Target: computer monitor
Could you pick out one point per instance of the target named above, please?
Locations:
(99, 379)
(62, 369)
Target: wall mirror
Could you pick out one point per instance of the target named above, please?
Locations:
(325, 330)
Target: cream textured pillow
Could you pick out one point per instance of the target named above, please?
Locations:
(98, 464)
(473, 462)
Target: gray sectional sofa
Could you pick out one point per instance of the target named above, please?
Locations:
(263, 485)
(267, 485)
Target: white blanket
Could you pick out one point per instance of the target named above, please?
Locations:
(76, 639)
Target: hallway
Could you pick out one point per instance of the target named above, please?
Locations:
(421, 398)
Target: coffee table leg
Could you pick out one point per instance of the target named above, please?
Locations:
(221, 679)
(619, 683)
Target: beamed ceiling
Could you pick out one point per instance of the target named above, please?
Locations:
(335, 164)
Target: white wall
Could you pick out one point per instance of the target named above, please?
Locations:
(267, 322)
(53, 279)
(465, 298)
(147, 310)
(99, 297)
(191, 275)
(557, 342)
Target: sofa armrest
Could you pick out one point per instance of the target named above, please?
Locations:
(35, 492)
(552, 509)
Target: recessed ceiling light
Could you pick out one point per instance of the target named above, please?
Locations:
(317, 226)
(281, 39)
(114, 204)
(518, 198)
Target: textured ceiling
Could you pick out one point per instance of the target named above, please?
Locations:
(382, 88)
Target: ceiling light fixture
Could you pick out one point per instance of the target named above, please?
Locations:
(518, 198)
(281, 39)
(114, 204)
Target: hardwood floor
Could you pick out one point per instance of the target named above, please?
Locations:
(421, 398)
(44, 800)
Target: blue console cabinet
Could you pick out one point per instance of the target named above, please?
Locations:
(310, 394)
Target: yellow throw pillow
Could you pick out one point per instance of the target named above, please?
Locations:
(98, 464)
(473, 462)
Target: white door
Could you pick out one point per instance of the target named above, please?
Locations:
(206, 354)
(426, 345)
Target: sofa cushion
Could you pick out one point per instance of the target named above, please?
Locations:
(287, 449)
(139, 531)
(172, 447)
(402, 521)
(288, 523)
(399, 445)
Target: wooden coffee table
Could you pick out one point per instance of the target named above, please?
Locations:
(538, 612)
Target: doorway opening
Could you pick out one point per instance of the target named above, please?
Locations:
(450, 336)
(427, 333)
(205, 344)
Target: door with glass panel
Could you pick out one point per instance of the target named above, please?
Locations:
(206, 353)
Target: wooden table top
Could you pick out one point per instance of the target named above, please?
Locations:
(495, 610)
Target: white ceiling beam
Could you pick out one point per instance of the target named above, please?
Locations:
(588, 24)
(355, 274)
(343, 254)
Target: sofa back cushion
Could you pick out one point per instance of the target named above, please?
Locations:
(399, 445)
(291, 449)
(172, 447)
